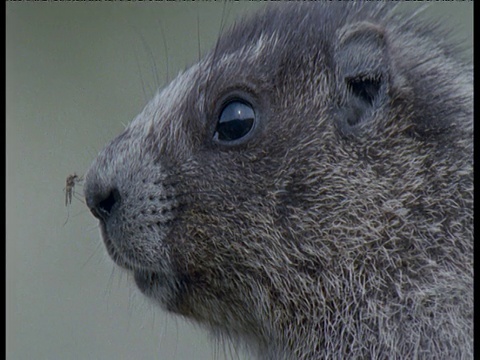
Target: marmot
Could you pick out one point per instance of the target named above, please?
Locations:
(306, 188)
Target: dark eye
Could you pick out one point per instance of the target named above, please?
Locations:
(236, 120)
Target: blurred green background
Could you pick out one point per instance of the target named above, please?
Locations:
(76, 74)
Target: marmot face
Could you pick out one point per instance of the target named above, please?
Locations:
(305, 188)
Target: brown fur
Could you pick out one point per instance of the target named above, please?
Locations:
(341, 225)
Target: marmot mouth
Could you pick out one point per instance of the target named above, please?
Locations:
(146, 280)
(122, 256)
(112, 250)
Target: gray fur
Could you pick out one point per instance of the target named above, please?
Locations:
(342, 225)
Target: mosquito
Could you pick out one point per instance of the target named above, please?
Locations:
(72, 180)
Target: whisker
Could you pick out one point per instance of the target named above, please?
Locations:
(148, 49)
(77, 196)
(209, 75)
(142, 81)
(165, 48)
(93, 227)
(97, 247)
(198, 35)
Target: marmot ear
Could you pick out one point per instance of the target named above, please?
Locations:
(361, 69)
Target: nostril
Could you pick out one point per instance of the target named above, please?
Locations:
(107, 204)
(103, 208)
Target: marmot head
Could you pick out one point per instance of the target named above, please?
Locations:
(306, 187)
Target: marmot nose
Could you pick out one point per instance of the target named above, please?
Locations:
(103, 204)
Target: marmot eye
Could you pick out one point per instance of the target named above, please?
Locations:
(236, 120)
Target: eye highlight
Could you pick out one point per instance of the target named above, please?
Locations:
(235, 121)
